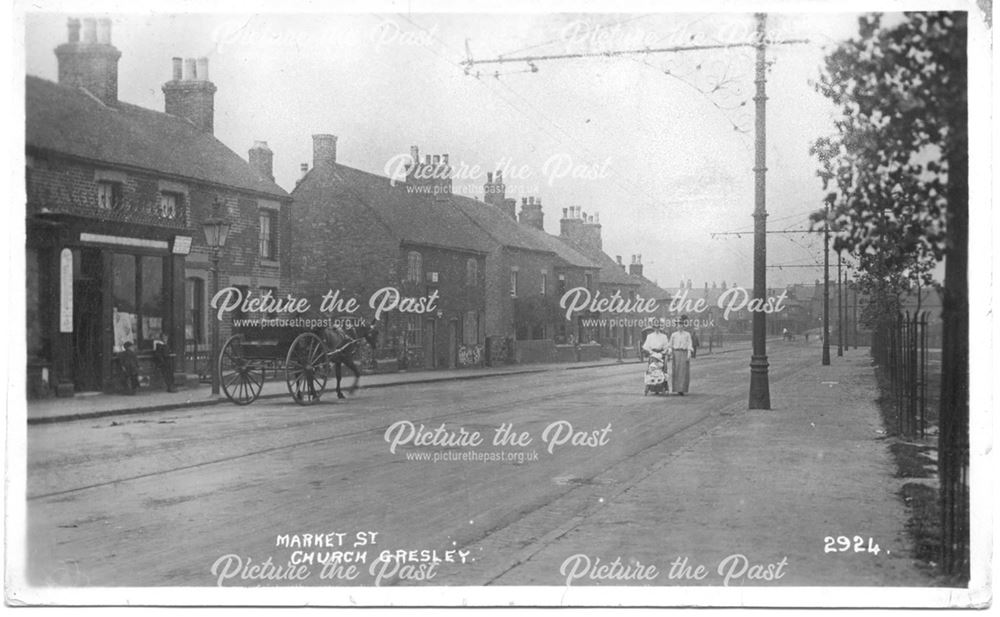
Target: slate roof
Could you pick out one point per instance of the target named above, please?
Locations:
(511, 233)
(612, 272)
(70, 121)
(413, 218)
(649, 289)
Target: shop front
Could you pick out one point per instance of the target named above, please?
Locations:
(94, 291)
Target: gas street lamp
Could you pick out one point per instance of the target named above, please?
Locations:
(216, 232)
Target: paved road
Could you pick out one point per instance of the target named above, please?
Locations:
(159, 499)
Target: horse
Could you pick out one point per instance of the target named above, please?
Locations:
(342, 344)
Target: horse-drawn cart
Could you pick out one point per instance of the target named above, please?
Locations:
(246, 359)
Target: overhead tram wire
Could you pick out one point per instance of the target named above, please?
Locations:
(556, 40)
(628, 188)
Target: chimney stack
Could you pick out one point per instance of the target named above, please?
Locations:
(189, 94)
(531, 213)
(635, 268)
(93, 63)
(583, 230)
(494, 194)
(324, 151)
(262, 160)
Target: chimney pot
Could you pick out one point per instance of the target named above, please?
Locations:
(444, 159)
(178, 69)
(427, 159)
(618, 258)
(414, 154)
(564, 212)
(73, 25)
(104, 31)
(202, 69)
(190, 70)
(89, 30)
(489, 177)
(499, 176)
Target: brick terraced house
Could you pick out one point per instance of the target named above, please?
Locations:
(527, 272)
(357, 233)
(116, 196)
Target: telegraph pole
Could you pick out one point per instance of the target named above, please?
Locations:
(760, 390)
(760, 397)
(826, 289)
(840, 312)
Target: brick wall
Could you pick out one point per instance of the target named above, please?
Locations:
(69, 186)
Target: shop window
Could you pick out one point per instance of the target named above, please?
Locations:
(414, 267)
(471, 272)
(109, 195)
(194, 316)
(268, 240)
(138, 298)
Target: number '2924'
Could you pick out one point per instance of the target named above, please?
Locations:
(844, 544)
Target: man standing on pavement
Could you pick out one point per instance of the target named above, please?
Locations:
(683, 348)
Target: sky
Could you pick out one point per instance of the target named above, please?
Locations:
(659, 146)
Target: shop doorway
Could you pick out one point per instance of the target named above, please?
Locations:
(87, 320)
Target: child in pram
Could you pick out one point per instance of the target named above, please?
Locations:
(659, 367)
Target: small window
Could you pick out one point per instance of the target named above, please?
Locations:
(545, 282)
(513, 283)
(561, 284)
(109, 195)
(268, 241)
(470, 329)
(413, 335)
(170, 204)
(414, 267)
(471, 272)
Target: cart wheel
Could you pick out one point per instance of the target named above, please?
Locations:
(240, 378)
(305, 368)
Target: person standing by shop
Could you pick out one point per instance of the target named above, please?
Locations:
(683, 349)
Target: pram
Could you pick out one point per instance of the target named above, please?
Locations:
(657, 376)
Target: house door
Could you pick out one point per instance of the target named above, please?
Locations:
(430, 346)
(453, 343)
(87, 318)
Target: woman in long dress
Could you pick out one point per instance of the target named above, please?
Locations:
(683, 347)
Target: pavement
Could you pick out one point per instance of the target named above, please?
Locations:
(770, 488)
(97, 405)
